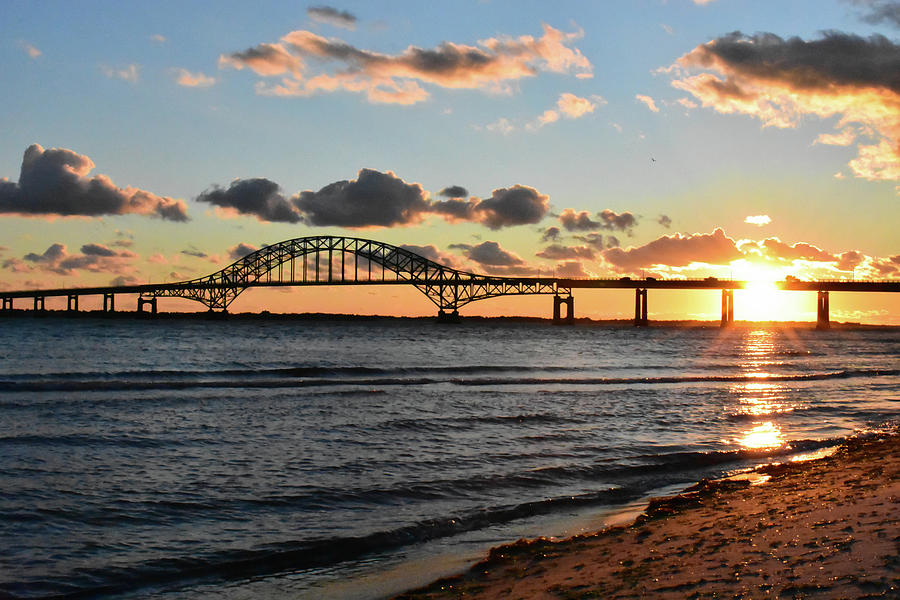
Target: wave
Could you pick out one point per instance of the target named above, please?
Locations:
(270, 559)
(188, 381)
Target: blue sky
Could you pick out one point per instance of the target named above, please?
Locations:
(101, 79)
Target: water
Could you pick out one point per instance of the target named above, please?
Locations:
(305, 459)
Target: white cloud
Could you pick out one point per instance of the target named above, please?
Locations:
(758, 220)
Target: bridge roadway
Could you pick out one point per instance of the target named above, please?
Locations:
(313, 261)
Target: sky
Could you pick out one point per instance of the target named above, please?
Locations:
(752, 139)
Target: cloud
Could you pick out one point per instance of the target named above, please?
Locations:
(491, 65)
(241, 250)
(130, 73)
(55, 182)
(198, 80)
(265, 59)
(374, 199)
(574, 107)
(454, 191)
(158, 38)
(879, 11)
(648, 101)
(665, 221)
(332, 16)
(569, 106)
(258, 197)
(501, 125)
(493, 259)
(93, 257)
(548, 116)
(775, 249)
(560, 252)
(676, 251)
(572, 269)
(30, 50)
(518, 205)
(844, 138)
(620, 222)
(758, 220)
(608, 219)
(596, 240)
(580, 221)
(550, 234)
(849, 260)
(195, 253)
(432, 253)
(780, 81)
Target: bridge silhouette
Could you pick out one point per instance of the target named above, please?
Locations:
(338, 260)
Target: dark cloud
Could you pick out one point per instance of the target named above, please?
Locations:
(489, 254)
(98, 250)
(195, 253)
(454, 191)
(241, 250)
(55, 182)
(551, 234)
(835, 59)
(258, 197)
(56, 259)
(618, 222)
(608, 219)
(675, 251)
(518, 205)
(595, 240)
(879, 11)
(331, 16)
(580, 221)
(841, 77)
(560, 252)
(374, 199)
(432, 253)
(665, 221)
(457, 209)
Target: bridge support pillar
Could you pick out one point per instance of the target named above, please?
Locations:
(448, 316)
(147, 301)
(727, 307)
(72, 303)
(640, 308)
(39, 303)
(7, 304)
(109, 302)
(558, 303)
(822, 320)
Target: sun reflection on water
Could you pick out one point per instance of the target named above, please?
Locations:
(764, 436)
(758, 397)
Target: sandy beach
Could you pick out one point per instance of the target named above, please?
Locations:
(826, 528)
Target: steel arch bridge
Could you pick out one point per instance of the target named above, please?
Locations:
(331, 260)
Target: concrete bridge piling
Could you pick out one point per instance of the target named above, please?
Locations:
(558, 303)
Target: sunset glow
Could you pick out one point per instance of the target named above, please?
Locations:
(576, 141)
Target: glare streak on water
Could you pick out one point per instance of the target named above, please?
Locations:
(242, 458)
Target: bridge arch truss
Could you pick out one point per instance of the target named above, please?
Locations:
(336, 260)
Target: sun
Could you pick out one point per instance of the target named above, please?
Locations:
(761, 300)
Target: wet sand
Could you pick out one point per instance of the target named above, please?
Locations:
(828, 528)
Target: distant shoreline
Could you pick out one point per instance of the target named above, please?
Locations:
(343, 317)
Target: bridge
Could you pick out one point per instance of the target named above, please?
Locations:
(338, 260)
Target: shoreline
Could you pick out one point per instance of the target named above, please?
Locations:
(827, 527)
(345, 317)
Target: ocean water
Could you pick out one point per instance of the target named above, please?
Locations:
(353, 459)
